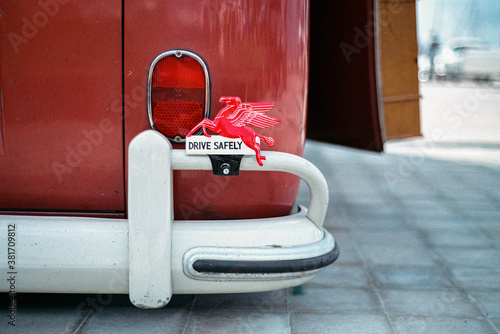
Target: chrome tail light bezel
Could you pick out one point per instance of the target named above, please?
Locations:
(178, 53)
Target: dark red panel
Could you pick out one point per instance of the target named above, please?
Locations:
(60, 75)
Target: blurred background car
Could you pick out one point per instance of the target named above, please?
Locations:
(459, 59)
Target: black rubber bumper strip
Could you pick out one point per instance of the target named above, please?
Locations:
(266, 267)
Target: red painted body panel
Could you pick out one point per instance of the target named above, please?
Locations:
(68, 126)
(257, 50)
(60, 73)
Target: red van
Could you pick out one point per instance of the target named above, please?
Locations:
(97, 193)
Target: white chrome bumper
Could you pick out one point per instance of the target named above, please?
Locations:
(150, 256)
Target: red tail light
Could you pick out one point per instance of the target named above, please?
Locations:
(178, 93)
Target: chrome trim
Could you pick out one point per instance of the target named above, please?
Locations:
(178, 54)
(271, 253)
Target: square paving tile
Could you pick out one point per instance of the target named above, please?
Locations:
(434, 303)
(122, 319)
(396, 254)
(406, 237)
(483, 214)
(340, 275)
(402, 187)
(38, 320)
(349, 253)
(471, 257)
(410, 277)
(448, 325)
(464, 238)
(237, 321)
(309, 323)
(496, 323)
(440, 224)
(387, 224)
(372, 210)
(424, 207)
(488, 227)
(487, 301)
(335, 300)
(477, 278)
(269, 301)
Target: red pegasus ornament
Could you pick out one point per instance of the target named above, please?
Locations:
(231, 120)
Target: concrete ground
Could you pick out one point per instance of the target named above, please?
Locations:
(420, 253)
(459, 122)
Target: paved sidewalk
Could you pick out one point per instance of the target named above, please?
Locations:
(459, 122)
(420, 253)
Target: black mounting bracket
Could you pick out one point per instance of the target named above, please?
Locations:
(226, 165)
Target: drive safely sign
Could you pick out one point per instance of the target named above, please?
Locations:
(201, 145)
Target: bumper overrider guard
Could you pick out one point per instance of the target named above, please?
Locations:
(150, 256)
